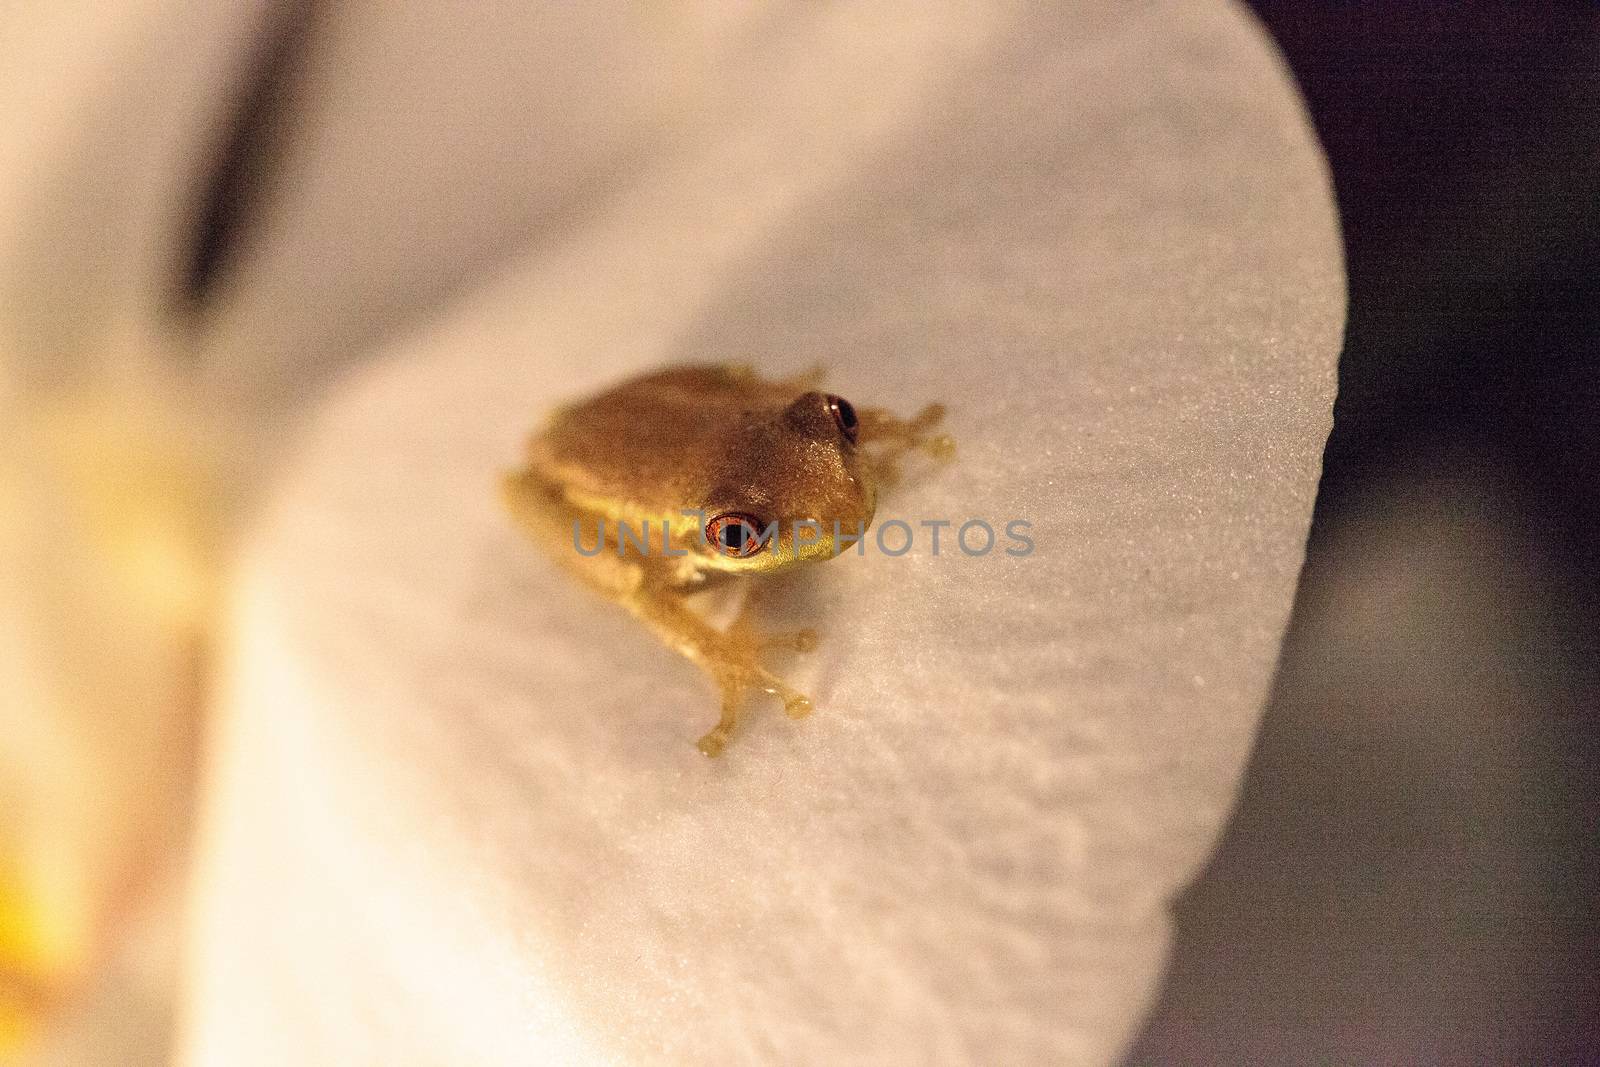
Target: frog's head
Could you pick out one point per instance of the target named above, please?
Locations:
(793, 488)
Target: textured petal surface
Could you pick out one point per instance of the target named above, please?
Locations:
(457, 813)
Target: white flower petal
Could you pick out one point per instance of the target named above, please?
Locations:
(458, 813)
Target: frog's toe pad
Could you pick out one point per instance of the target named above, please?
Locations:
(798, 707)
(713, 743)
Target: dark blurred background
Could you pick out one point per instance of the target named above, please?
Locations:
(1413, 871)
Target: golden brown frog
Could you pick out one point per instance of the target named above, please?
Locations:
(701, 473)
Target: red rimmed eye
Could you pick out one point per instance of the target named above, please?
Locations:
(845, 416)
(734, 535)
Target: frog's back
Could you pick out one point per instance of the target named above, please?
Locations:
(651, 444)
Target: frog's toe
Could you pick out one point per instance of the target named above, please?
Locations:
(713, 743)
(716, 739)
(795, 704)
(798, 707)
(941, 447)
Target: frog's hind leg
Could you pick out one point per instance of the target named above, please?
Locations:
(746, 376)
(807, 379)
(731, 658)
(888, 437)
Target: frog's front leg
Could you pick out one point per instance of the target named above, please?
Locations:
(888, 437)
(731, 657)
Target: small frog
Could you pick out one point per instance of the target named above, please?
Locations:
(730, 476)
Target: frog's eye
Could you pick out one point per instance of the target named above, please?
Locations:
(735, 535)
(845, 415)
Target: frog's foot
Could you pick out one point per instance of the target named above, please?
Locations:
(896, 436)
(732, 658)
(735, 680)
(740, 647)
